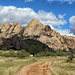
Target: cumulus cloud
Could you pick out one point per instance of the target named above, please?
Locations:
(64, 32)
(28, 1)
(49, 18)
(62, 1)
(61, 16)
(11, 13)
(72, 22)
(25, 15)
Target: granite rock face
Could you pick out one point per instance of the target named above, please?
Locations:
(2, 25)
(8, 30)
(47, 35)
(18, 28)
(70, 41)
(35, 28)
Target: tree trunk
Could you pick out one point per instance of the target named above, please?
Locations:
(33, 54)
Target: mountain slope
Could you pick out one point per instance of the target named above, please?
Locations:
(46, 35)
(37, 31)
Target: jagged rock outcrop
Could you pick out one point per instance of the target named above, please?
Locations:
(2, 25)
(18, 28)
(46, 35)
(36, 30)
(6, 27)
(14, 23)
(35, 27)
(70, 41)
(47, 28)
(9, 30)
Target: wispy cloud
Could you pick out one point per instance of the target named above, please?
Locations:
(62, 1)
(28, 1)
(61, 16)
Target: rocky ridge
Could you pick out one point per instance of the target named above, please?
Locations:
(35, 28)
(8, 30)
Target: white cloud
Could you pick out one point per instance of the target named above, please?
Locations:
(11, 13)
(25, 15)
(50, 18)
(64, 32)
(28, 1)
(61, 16)
(62, 1)
(72, 22)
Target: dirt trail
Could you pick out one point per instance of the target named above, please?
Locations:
(36, 69)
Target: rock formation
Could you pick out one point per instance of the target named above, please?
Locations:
(9, 30)
(2, 25)
(35, 27)
(42, 33)
(14, 42)
(18, 28)
(46, 35)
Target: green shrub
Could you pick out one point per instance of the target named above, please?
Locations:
(22, 54)
(70, 58)
(1, 54)
(61, 53)
(12, 53)
(6, 54)
(45, 53)
(34, 49)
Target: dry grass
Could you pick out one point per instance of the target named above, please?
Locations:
(9, 66)
(60, 66)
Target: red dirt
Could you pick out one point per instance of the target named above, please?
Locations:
(36, 69)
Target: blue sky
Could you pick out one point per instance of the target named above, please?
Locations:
(59, 14)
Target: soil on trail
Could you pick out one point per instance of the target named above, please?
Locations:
(36, 69)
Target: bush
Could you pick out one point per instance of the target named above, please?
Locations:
(45, 53)
(60, 53)
(1, 54)
(70, 58)
(12, 53)
(22, 54)
(4, 53)
(34, 49)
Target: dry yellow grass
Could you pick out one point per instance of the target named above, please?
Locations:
(9, 66)
(60, 66)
